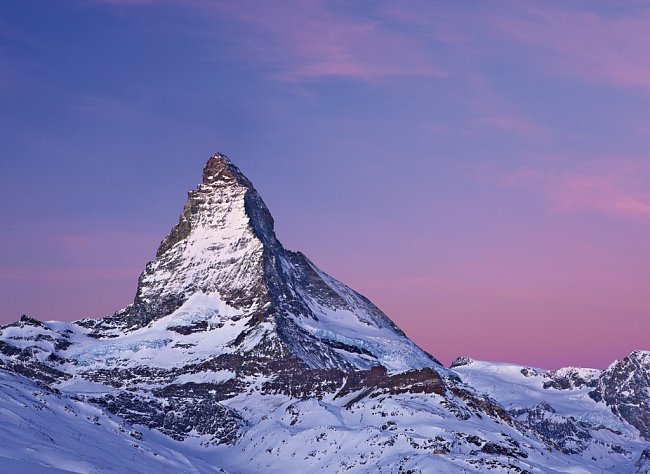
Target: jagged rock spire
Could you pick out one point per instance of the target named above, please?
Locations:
(222, 181)
(219, 169)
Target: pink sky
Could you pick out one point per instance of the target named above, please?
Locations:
(480, 171)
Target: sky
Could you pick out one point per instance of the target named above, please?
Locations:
(479, 170)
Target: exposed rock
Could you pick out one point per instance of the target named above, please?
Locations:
(571, 377)
(568, 433)
(625, 388)
(642, 465)
(461, 361)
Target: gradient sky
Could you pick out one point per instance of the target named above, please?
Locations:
(480, 170)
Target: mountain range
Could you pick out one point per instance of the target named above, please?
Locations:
(240, 356)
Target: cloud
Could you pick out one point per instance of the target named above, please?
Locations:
(318, 39)
(612, 186)
(604, 48)
(464, 39)
(310, 40)
(12, 69)
(6, 77)
(85, 243)
(518, 125)
(607, 193)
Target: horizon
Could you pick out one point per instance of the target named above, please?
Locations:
(479, 173)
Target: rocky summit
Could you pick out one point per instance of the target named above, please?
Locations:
(238, 355)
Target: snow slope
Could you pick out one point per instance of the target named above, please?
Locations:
(558, 404)
(46, 432)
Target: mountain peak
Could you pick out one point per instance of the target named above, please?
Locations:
(219, 168)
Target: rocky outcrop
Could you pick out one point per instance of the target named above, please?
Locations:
(568, 378)
(642, 465)
(567, 432)
(625, 388)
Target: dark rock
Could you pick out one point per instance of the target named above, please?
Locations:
(570, 435)
(461, 361)
(624, 387)
(642, 465)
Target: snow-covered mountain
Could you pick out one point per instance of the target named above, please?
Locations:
(221, 270)
(239, 355)
(566, 406)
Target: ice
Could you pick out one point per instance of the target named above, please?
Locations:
(109, 352)
(201, 307)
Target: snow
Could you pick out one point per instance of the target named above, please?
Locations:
(27, 467)
(392, 350)
(205, 377)
(211, 256)
(156, 345)
(514, 390)
(199, 307)
(108, 352)
(375, 435)
(42, 432)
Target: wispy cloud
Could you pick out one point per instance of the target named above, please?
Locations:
(318, 39)
(6, 76)
(310, 40)
(615, 186)
(465, 39)
(85, 243)
(605, 48)
(10, 68)
(602, 192)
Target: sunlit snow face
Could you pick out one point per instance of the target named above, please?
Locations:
(220, 252)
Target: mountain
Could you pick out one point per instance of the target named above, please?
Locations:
(566, 406)
(238, 355)
(222, 264)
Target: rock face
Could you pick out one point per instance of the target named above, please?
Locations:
(223, 244)
(237, 345)
(625, 388)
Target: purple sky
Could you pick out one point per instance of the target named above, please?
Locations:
(479, 170)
